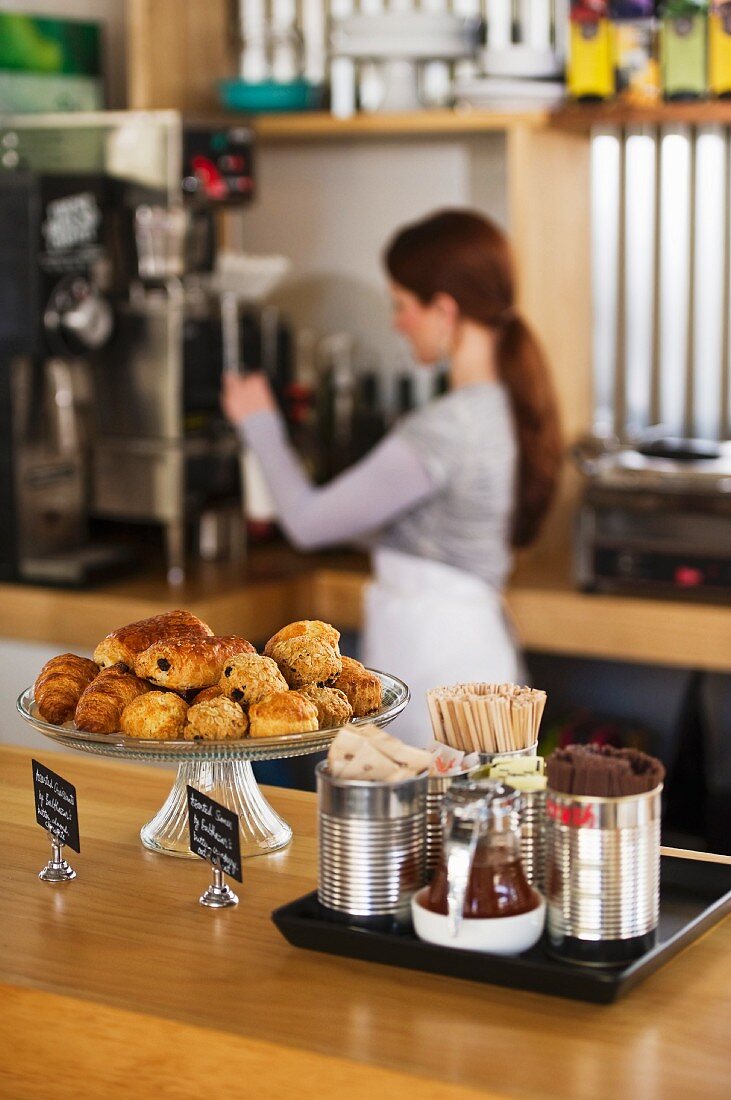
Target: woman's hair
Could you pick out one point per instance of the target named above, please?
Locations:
(462, 254)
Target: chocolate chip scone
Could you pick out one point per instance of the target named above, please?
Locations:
(218, 719)
(249, 677)
(313, 627)
(307, 659)
(333, 708)
(361, 687)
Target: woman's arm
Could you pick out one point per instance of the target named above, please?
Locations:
(388, 481)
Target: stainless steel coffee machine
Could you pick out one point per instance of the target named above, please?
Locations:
(118, 305)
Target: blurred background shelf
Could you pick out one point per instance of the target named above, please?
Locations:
(582, 117)
(321, 125)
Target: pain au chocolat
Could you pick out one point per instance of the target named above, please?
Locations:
(60, 684)
(100, 706)
(126, 643)
(189, 664)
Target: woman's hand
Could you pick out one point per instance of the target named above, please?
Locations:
(243, 395)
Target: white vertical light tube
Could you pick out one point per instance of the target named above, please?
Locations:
(708, 260)
(674, 278)
(466, 69)
(536, 31)
(253, 66)
(435, 74)
(561, 28)
(285, 62)
(639, 275)
(605, 197)
(313, 36)
(342, 70)
(499, 24)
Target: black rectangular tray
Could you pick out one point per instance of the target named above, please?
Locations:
(694, 895)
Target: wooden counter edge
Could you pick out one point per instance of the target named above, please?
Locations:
(51, 1042)
(549, 615)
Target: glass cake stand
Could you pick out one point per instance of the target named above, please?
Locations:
(220, 769)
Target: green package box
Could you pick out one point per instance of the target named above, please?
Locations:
(684, 50)
(49, 64)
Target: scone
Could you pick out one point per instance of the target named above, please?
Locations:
(189, 664)
(207, 693)
(314, 627)
(217, 719)
(306, 659)
(155, 716)
(126, 643)
(60, 684)
(282, 713)
(361, 687)
(100, 707)
(333, 708)
(248, 678)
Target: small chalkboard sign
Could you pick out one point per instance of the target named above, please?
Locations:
(214, 833)
(56, 807)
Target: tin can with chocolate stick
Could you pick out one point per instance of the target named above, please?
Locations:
(602, 875)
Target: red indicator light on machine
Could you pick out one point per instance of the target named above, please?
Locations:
(688, 577)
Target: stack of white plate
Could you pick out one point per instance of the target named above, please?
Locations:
(506, 94)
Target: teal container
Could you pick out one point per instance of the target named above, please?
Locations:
(684, 51)
(270, 97)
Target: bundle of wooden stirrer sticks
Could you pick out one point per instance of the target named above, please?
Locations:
(486, 717)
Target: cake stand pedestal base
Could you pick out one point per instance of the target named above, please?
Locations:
(230, 782)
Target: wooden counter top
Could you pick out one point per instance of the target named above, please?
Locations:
(129, 983)
(277, 585)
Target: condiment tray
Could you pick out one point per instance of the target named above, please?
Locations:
(694, 895)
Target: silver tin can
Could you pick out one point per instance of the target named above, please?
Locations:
(510, 754)
(532, 819)
(602, 876)
(437, 787)
(372, 847)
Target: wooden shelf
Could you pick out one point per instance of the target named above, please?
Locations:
(319, 125)
(278, 585)
(582, 117)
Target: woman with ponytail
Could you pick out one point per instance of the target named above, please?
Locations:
(455, 486)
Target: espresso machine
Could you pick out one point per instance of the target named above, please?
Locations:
(110, 335)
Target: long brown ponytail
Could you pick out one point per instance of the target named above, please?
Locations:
(463, 254)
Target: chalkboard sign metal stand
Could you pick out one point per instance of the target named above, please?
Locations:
(219, 894)
(57, 869)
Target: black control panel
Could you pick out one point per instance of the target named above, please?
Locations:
(699, 575)
(218, 163)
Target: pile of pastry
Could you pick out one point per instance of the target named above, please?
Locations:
(169, 678)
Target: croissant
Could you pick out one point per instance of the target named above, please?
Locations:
(100, 707)
(60, 684)
(186, 664)
(124, 644)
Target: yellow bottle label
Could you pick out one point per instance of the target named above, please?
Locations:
(719, 51)
(590, 69)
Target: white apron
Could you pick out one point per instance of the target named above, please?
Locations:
(431, 624)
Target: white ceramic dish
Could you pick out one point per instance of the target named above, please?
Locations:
(498, 935)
